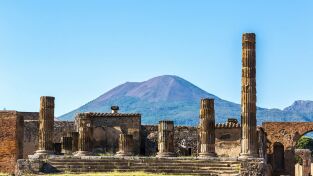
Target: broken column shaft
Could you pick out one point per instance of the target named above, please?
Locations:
(85, 133)
(75, 136)
(125, 145)
(46, 125)
(248, 97)
(166, 139)
(67, 145)
(207, 128)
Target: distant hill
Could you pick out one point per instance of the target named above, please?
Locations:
(171, 97)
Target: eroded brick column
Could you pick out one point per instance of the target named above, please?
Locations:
(125, 145)
(166, 139)
(248, 97)
(207, 128)
(46, 123)
(67, 145)
(85, 133)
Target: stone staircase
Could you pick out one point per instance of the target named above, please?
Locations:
(176, 166)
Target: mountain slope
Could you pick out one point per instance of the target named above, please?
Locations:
(171, 97)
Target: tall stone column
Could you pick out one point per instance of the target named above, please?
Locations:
(85, 133)
(125, 145)
(248, 98)
(207, 128)
(166, 139)
(46, 125)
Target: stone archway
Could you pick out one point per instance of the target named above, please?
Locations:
(286, 133)
(305, 155)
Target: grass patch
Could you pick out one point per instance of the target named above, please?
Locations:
(3, 174)
(113, 174)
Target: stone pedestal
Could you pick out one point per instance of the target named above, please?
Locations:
(166, 139)
(46, 126)
(207, 128)
(57, 147)
(248, 98)
(75, 136)
(126, 144)
(85, 135)
(67, 145)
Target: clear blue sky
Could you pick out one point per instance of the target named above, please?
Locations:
(77, 50)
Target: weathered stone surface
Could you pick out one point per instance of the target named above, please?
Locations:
(126, 144)
(85, 135)
(166, 139)
(67, 145)
(305, 155)
(11, 140)
(286, 135)
(207, 128)
(75, 136)
(248, 97)
(254, 167)
(46, 125)
(61, 128)
(227, 137)
(108, 126)
(57, 148)
(28, 167)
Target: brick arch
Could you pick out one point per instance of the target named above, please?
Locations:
(288, 134)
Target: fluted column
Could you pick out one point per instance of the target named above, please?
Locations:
(46, 125)
(75, 136)
(67, 145)
(85, 133)
(248, 97)
(125, 145)
(207, 128)
(166, 139)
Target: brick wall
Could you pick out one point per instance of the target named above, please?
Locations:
(11, 140)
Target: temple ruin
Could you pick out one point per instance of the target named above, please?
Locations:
(36, 143)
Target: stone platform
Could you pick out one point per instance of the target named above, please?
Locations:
(170, 165)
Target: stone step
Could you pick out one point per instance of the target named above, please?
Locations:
(181, 171)
(146, 160)
(142, 163)
(142, 167)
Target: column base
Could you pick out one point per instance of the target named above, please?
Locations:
(165, 154)
(246, 156)
(121, 154)
(41, 154)
(83, 153)
(207, 155)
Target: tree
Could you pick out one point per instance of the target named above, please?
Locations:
(304, 143)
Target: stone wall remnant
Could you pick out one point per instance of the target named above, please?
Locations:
(11, 140)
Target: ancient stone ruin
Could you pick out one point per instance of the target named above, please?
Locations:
(34, 142)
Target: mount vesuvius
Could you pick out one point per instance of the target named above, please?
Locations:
(172, 97)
